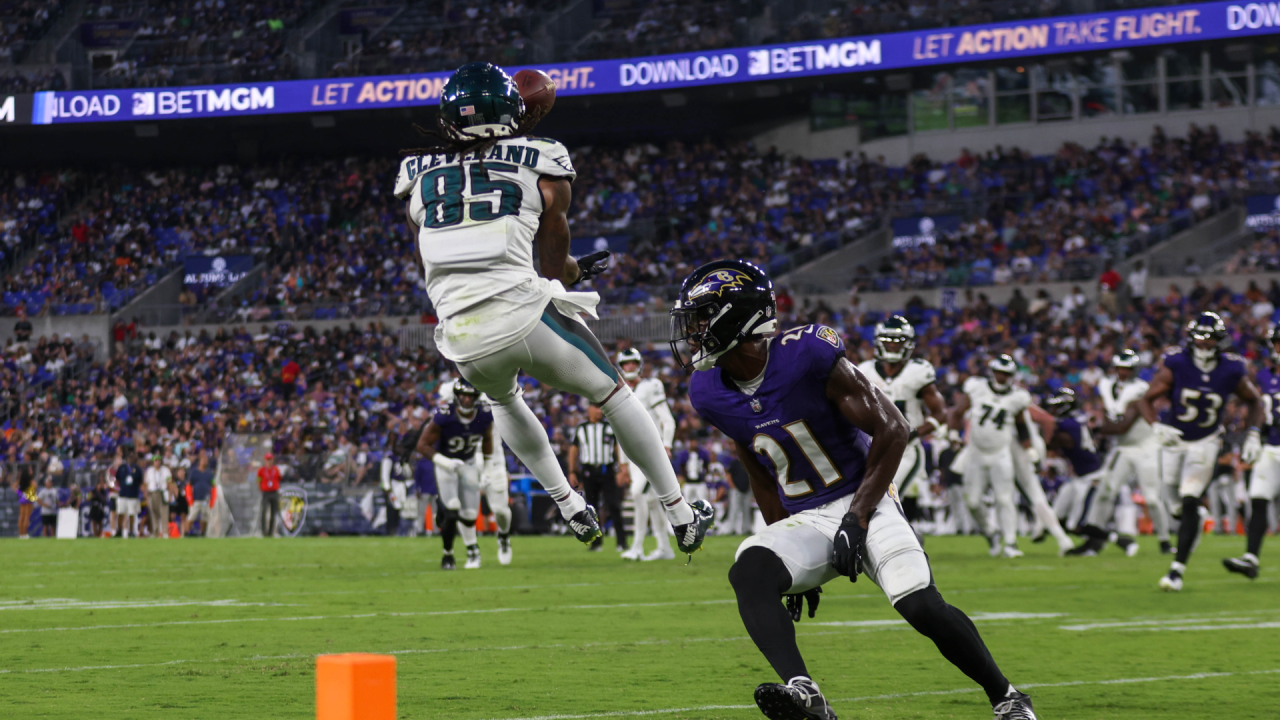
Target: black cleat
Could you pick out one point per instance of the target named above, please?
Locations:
(1015, 707)
(689, 537)
(797, 700)
(1166, 548)
(585, 525)
(1244, 566)
(446, 562)
(1041, 537)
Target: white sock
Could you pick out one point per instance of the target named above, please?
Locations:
(639, 439)
(1178, 567)
(1008, 517)
(467, 529)
(526, 437)
(1251, 558)
(1046, 516)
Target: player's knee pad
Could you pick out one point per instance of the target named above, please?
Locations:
(452, 505)
(468, 516)
(759, 569)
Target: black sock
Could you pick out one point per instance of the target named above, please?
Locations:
(1188, 529)
(956, 637)
(1258, 525)
(448, 531)
(1094, 532)
(759, 579)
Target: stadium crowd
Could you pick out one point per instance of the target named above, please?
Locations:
(22, 22)
(208, 41)
(331, 233)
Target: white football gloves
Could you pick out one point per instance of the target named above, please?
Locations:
(1168, 435)
(446, 463)
(1252, 448)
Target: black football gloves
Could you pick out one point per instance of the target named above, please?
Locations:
(592, 265)
(795, 603)
(850, 546)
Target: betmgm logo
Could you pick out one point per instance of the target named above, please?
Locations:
(203, 101)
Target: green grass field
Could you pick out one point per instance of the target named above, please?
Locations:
(210, 629)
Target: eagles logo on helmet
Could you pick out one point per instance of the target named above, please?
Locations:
(1002, 365)
(721, 304)
(630, 355)
(897, 332)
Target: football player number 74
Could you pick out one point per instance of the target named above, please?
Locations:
(813, 454)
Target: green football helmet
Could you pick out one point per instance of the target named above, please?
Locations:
(480, 100)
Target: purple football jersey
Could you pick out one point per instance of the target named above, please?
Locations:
(1083, 454)
(458, 438)
(1269, 385)
(1198, 397)
(814, 453)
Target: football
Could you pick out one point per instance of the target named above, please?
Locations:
(538, 90)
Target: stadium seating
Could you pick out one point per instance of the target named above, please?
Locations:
(22, 22)
(333, 235)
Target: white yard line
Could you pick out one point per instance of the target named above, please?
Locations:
(70, 604)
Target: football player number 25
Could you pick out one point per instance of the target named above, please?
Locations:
(1190, 411)
(813, 454)
(443, 202)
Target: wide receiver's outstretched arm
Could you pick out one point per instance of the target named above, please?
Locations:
(552, 237)
(1247, 390)
(935, 407)
(871, 411)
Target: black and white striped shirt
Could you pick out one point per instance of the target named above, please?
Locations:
(595, 443)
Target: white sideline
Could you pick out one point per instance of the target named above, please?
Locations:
(894, 696)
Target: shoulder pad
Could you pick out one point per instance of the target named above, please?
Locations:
(828, 335)
(409, 168)
(553, 159)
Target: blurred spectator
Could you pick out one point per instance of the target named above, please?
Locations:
(269, 484)
(48, 499)
(159, 483)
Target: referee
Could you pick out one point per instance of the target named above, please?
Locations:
(592, 459)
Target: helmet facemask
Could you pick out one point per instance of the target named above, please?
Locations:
(893, 348)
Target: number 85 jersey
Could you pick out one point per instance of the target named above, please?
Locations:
(477, 215)
(1197, 397)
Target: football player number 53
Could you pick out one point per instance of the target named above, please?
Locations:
(1213, 401)
(809, 447)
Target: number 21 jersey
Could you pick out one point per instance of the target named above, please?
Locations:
(814, 453)
(477, 215)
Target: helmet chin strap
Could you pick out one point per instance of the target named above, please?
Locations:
(633, 375)
(467, 413)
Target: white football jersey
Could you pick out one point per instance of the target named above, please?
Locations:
(477, 217)
(904, 388)
(992, 415)
(1116, 397)
(653, 395)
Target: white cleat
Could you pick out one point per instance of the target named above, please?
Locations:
(1171, 583)
(634, 553)
(473, 558)
(660, 555)
(1011, 551)
(996, 546)
(504, 550)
